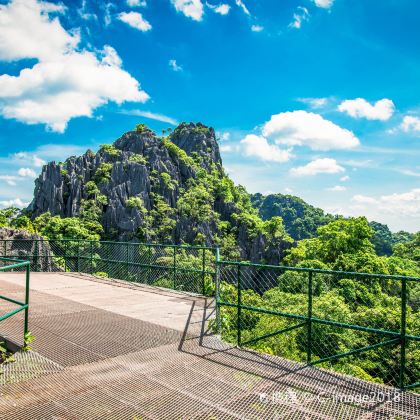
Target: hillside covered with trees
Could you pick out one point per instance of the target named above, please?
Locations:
(173, 189)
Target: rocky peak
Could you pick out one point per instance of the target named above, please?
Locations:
(197, 138)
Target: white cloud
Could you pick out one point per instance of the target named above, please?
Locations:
(288, 190)
(25, 158)
(174, 65)
(257, 28)
(223, 136)
(301, 128)
(15, 202)
(27, 31)
(241, 4)
(314, 103)
(9, 179)
(27, 173)
(135, 20)
(221, 9)
(337, 188)
(404, 204)
(360, 108)
(227, 148)
(400, 204)
(344, 178)
(152, 116)
(410, 124)
(190, 8)
(325, 4)
(258, 146)
(318, 166)
(136, 3)
(363, 199)
(65, 83)
(299, 16)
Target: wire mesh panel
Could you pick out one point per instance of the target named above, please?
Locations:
(364, 325)
(179, 267)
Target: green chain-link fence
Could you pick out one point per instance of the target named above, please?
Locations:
(11, 304)
(178, 267)
(364, 325)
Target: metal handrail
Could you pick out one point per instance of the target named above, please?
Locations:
(400, 337)
(22, 306)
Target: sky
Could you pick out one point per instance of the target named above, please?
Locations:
(314, 98)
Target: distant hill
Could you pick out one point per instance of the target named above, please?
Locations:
(301, 220)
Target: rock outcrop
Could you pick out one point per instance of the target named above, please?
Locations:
(23, 245)
(139, 181)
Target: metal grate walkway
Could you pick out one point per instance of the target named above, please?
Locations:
(115, 350)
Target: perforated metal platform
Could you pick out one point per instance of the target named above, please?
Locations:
(114, 350)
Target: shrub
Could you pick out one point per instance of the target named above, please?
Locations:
(103, 173)
(110, 150)
(137, 159)
(135, 202)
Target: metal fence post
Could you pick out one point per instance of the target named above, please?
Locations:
(217, 279)
(26, 327)
(36, 251)
(309, 327)
(78, 255)
(65, 255)
(403, 331)
(150, 264)
(239, 312)
(91, 257)
(126, 264)
(174, 268)
(203, 274)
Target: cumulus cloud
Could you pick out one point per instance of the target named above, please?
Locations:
(410, 124)
(190, 8)
(318, 166)
(301, 128)
(257, 28)
(360, 108)
(15, 202)
(299, 16)
(325, 4)
(258, 146)
(221, 9)
(26, 158)
(27, 173)
(65, 83)
(337, 188)
(363, 199)
(135, 20)
(401, 204)
(344, 178)
(174, 65)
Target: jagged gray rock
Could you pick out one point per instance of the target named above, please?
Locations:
(20, 244)
(136, 165)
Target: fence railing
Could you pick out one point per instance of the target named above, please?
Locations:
(365, 325)
(16, 306)
(179, 267)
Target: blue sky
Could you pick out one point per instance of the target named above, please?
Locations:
(316, 98)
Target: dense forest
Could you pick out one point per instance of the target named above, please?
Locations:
(173, 189)
(301, 220)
